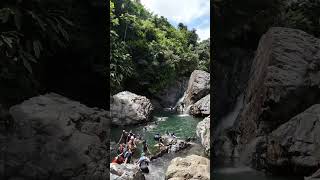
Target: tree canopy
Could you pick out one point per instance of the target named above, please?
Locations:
(147, 50)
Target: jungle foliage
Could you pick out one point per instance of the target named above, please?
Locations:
(53, 46)
(147, 52)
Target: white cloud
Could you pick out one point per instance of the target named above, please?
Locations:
(204, 33)
(177, 11)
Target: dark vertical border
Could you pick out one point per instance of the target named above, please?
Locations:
(212, 83)
(107, 58)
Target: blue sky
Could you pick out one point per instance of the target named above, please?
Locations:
(193, 13)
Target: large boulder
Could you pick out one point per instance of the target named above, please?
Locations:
(128, 108)
(201, 107)
(125, 172)
(285, 80)
(203, 131)
(190, 167)
(198, 87)
(175, 144)
(294, 147)
(57, 138)
(300, 139)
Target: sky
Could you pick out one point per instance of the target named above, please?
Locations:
(193, 13)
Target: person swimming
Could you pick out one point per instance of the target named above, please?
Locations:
(173, 135)
(157, 137)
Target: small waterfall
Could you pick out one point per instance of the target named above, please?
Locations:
(180, 101)
(229, 119)
(179, 108)
(187, 109)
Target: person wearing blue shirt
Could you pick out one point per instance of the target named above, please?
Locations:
(143, 163)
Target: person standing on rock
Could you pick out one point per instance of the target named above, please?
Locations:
(143, 163)
(118, 159)
(131, 143)
(127, 156)
(145, 147)
(123, 138)
(121, 148)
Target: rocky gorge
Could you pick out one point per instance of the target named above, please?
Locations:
(276, 129)
(129, 109)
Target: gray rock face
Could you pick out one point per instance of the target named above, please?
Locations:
(232, 70)
(125, 172)
(295, 143)
(284, 81)
(201, 107)
(198, 87)
(203, 131)
(175, 143)
(190, 167)
(57, 138)
(128, 108)
(301, 138)
(169, 96)
(225, 145)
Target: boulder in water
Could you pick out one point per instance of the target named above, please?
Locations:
(175, 144)
(190, 167)
(203, 131)
(57, 138)
(128, 108)
(201, 107)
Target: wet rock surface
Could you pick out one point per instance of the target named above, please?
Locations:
(190, 167)
(125, 172)
(198, 87)
(128, 108)
(201, 107)
(56, 138)
(203, 131)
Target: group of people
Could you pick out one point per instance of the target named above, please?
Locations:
(128, 146)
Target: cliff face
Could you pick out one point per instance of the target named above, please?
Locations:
(274, 130)
(284, 81)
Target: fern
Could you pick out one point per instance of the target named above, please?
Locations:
(36, 31)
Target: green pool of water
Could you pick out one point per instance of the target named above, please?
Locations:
(182, 125)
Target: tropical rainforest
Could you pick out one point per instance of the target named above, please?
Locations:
(147, 52)
(62, 46)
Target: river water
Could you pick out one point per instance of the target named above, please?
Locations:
(182, 125)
